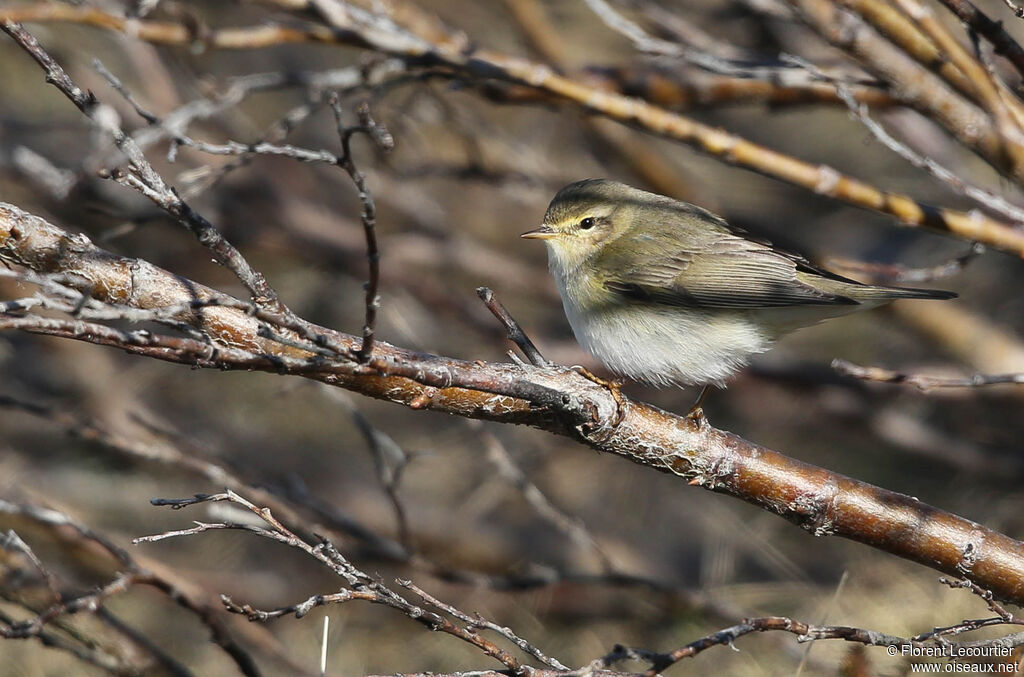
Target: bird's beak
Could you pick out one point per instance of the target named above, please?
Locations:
(542, 233)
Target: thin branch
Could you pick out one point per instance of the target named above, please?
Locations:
(515, 332)
(860, 112)
(142, 176)
(176, 123)
(571, 526)
(480, 622)
(55, 181)
(479, 63)
(236, 148)
(893, 48)
(986, 596)
(680, 89)
(807, 632)
(986, 88)
(383, 140)
(924, 382)
(992, 31)
(90, 655)
(898, 273)
(116, 83)
(170, 455)
(362, 586)
(11, 541)
(131, 574)
(390, 461)
(902, 32)
(777, 72)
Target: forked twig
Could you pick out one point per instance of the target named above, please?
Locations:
(383, 140)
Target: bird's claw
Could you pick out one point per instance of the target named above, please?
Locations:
(614, 387)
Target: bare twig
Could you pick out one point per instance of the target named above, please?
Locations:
(90, 655)
(131, 574)
(362, 586)
(571, 526)
(56, 181)
(986, 88)
(993, 31)
(986, 596)
(898, 273)
(143, 177)
(685, 88)
(480, 622)
(116, 83)
(893, 48)
(478, 63)
(11, 541)
(807, 632)
(515, 332)
(860, 111)
(383, 140)
(924, 382)
(390, 460)
(777, 72)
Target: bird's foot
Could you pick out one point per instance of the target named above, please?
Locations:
(614, 387)
(696, 413)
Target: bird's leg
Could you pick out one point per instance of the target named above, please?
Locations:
(696, 413)
(614, 387)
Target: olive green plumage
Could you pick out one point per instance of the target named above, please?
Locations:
(666, 292)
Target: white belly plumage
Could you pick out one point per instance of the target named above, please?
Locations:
(661, 345)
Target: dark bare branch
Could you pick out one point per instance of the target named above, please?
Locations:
(991, 30)
(515, 332)
(362, 586)
(143, 177)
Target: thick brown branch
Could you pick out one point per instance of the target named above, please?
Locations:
(563, 402)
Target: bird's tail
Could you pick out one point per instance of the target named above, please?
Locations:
(878, 293)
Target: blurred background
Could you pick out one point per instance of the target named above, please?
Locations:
(621, 555)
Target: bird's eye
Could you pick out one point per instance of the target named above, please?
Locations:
(587, 223)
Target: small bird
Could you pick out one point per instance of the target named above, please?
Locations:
(666, 293)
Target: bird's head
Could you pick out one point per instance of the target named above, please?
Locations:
(584, 217)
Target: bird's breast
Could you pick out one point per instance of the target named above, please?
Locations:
(657, 344)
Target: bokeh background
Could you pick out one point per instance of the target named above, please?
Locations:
(469, 174)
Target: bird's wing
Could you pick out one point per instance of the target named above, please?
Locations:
(719, 270)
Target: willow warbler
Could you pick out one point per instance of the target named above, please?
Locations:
(667, 293)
